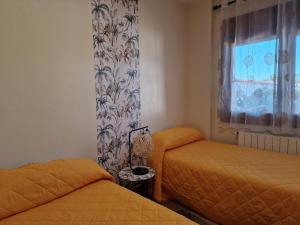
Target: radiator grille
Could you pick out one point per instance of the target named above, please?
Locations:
(288, 145)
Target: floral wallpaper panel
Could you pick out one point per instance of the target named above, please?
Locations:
(116, 54)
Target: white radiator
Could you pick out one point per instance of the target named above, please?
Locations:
(288, 145)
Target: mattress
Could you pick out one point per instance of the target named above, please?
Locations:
(233, 185)
(74, 192)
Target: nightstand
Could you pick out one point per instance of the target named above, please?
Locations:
(141, 184)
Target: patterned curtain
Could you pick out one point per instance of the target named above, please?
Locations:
(260, 71)
(116, 54)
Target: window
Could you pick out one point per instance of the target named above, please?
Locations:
(260, 67)
(253, 78)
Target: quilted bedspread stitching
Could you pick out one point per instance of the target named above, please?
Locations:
(102, 203)
(210, 187)
(41, 186)
(67, 199)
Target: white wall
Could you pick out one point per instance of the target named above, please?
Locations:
(163, 42)
(198, 95)
(46, 81)
(46, 76)
(47, 84)
(202, 80)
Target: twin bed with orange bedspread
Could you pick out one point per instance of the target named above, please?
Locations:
(74, 192)
(226, 183)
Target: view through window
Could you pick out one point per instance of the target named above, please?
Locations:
(253, 78)
(253, 81)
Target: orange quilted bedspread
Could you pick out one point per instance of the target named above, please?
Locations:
(74, 192)
(233, 185)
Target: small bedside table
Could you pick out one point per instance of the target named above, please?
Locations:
(141, 184)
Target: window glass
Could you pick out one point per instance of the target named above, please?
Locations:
(253, 77)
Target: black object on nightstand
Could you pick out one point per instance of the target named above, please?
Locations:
(141, 184)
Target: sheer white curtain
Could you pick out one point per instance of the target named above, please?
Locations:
(260, 71)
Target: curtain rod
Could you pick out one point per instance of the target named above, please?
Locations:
(216, 7)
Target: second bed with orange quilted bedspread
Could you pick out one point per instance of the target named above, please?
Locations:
(230, 184)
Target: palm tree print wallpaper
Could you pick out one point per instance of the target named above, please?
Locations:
(116, 54)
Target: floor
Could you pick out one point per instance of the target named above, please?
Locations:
(187, 213)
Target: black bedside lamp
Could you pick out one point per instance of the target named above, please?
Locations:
(137, 170)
